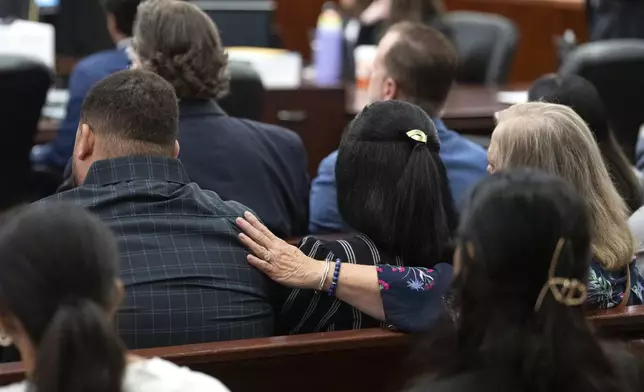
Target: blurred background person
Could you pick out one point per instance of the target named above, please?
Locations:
(120, 21)
(614, 19)
(580, 95)
(259, 165)
(370, 19)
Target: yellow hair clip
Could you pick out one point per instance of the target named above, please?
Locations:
(417, 135)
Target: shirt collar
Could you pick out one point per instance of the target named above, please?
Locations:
(200, 107)
(111, 171)
(124, 43)
(439, 124)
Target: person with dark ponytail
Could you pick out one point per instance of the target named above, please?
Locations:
(521, 273)
(59, 290)
(393, 191)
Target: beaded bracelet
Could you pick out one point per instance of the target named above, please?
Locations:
(336, 275)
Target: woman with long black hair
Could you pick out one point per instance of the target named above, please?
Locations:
(521, 269)
(59, 290)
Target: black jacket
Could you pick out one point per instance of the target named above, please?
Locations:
(613, 19)
(259, 165)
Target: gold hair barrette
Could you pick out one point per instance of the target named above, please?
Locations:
(569, 292)
(417, 135)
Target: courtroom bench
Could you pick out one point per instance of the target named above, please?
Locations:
(320, 362)
(328, 361)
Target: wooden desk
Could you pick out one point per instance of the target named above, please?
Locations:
(539, 21)
(319, 115)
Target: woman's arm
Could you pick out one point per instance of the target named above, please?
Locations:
(285, 264)
(358, 286)
(408, 298)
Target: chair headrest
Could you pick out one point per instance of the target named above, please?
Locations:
(11, 63)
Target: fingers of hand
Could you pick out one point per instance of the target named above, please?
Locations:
(252, 219)
(253, 233)
(254, 247)
(260, 264)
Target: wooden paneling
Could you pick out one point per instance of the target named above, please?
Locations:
(294, 20)
(539, 23)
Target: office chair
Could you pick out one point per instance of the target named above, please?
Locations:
(615, 68)
(486, 45)
(246, 96)
(23, 89)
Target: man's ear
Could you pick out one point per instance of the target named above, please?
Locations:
(85, 142)
(119, 293)
(389, 89)
(177, 148)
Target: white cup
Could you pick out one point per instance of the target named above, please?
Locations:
(364, 56)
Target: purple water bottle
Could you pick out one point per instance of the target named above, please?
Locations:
(327, 54)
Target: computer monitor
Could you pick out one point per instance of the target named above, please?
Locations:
(46, 3)
(46, 7)
(242, 22)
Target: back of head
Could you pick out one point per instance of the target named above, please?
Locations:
(392, 187)
(553, 138)
(178, 41)
(518, 231)
(123, 13)
(419, 11)
(133, 112)
(580, 95)
(423, 64)
(508, 233)
(57, 289)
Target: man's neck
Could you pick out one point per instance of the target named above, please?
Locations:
(118, 37)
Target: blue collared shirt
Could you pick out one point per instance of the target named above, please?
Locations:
(464, 160)
(86, 73)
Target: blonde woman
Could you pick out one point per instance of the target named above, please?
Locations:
(555, 139)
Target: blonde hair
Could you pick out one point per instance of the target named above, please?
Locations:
(555, 139)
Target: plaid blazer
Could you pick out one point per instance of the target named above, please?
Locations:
(185, 273)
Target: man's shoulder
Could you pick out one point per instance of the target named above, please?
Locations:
(273, 132)
(102, 63)
(454, 144)
(191, 197)
(329, 161)
(70, 195)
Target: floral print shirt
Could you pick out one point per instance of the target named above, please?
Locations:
(606, 288)
(412, 297)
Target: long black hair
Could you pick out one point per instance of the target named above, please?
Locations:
(507, 240)
(394, 189)
(580, 95)
(58, 284)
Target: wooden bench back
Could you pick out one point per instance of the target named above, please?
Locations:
(329, 361)
(321, 362)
